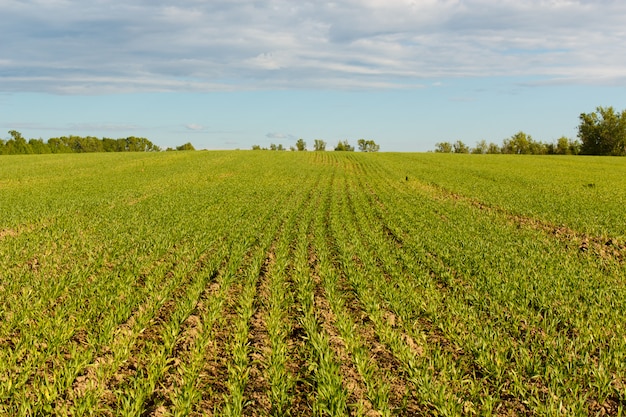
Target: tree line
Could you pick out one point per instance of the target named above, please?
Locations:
(602, 132)
(364, 145)
(18, 145)
(519, 143)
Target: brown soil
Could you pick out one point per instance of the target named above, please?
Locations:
(213, 377)
(89, 380)
(399, 396)
(257, 389)
(610, 407)
(137, 200)
(8, 233)
(602, 246)
(297, 364)
(24, 228)
(352, 381)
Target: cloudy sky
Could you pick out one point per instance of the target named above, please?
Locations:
(229, 74)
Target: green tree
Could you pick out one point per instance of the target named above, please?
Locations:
(493, 148)
(566, 146)
(460, 147)
(522, 143)
(109, 145)
(603, 132)
(38, 146)
(344, 146)
(367, 145)
(87, 144)
(17, 145)
(78, 144)
(57, 145)
(443, 147)
(319, 145)
(186, 147)
(538, 148)
(301, 145)
(481, 147)
(519, 143)
(135, 144)
(562, 146)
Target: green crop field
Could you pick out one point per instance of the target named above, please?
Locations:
(312, 283)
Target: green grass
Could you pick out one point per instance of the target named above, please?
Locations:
(312, 283)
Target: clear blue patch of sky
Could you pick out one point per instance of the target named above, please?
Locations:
(413, 119)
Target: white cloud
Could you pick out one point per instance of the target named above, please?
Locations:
(194, 126)
(276, 135)
(93, 47)
(73, 127)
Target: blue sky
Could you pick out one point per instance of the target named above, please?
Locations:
(230, 74)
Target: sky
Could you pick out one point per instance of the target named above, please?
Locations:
(229, 74)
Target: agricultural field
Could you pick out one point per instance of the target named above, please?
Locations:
(312, 283)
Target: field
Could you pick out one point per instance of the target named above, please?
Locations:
(312, 283)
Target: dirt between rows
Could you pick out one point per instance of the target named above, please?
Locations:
(603, 246)
(400, 394)
(213, 377)
(352, 381)
(25, 228)
(434, 336)
(8, 233)
(257, 391)
(191, 330)
(258, 387)
(89, 379)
